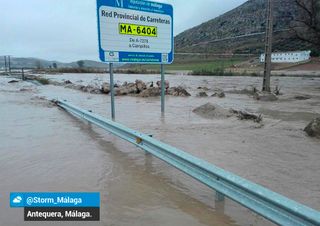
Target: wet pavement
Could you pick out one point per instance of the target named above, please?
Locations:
(42, 148)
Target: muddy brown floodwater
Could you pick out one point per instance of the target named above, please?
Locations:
(43, 148)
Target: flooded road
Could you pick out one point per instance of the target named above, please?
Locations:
(42, 148)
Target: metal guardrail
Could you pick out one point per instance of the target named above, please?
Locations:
(266, 203)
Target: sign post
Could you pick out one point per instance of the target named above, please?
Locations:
(162, 90)
(135, 32)
(113, 114)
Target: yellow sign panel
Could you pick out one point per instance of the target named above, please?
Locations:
(139, 30)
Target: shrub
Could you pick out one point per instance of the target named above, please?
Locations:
(43, 81)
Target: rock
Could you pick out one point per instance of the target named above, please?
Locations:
(131, 87)
(150, 85)
(121, 91)
(25, 90)
(67, 82)
(105, 88)
(95, 90)
(90, 89)
(178, 91)
(302, 97)
(125, 90)
(117, 91)
(202, 94)
(211, 111)
(220, 94)
(151, 92)
(265, 96)
(244, 115)
(203, 88)
(313, 129)
(76, 87)
(13, 81)
(140, 85)
(250, 92)
(166, 83)
(277, 91)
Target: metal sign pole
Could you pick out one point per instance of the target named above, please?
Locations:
(116, 42)
(162, 90)
(112, 91)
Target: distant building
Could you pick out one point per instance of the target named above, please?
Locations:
(288, 57)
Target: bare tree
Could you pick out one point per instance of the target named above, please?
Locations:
(307, 25)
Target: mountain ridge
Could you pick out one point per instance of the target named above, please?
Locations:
(32, 62)
(248, 18)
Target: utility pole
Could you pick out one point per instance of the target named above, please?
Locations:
(5, 63)
(9, 64)
(268, 47)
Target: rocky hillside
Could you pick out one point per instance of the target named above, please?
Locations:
(246, 19)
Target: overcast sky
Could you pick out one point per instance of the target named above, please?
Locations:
(66, 30)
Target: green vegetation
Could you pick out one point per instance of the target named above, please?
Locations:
(315, 53)
(221, 72)
(215, 72)
(195, 65)
(72, 70)
(136, 71)
(43, 81)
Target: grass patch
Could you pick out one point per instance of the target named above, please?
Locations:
(215, 72)
(136, 71)
(221, 72)
(194, 65)
(72, 70)
(43, 81)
